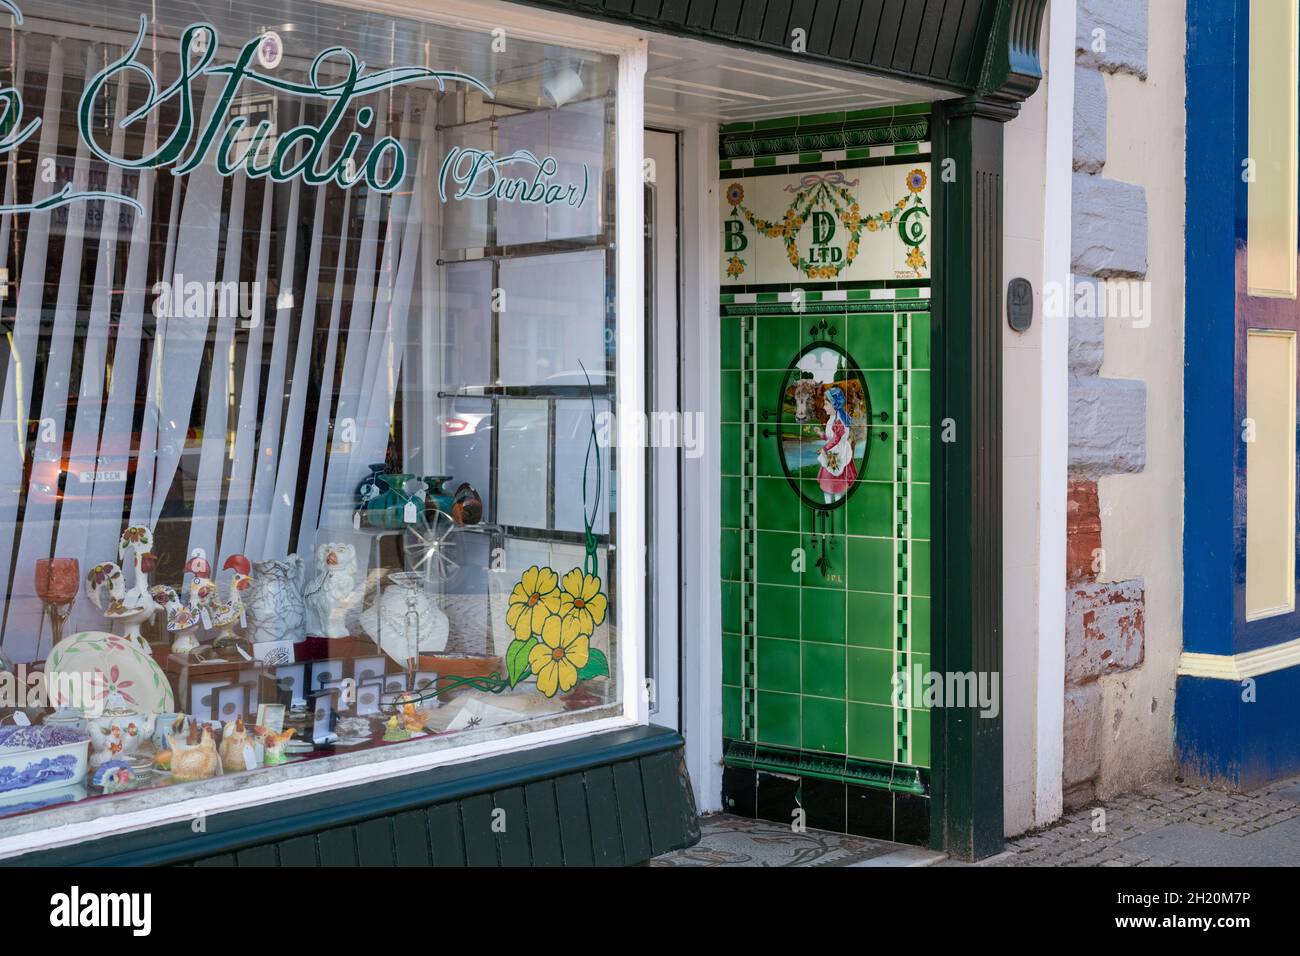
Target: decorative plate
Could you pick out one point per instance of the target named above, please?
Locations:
(113, 672)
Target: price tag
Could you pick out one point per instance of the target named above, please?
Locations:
(21, 719)
(250, 757)
(410, 512)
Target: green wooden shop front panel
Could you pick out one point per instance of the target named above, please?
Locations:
(614, 799)
(826, 568)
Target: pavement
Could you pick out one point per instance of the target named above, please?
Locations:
(1165, 825)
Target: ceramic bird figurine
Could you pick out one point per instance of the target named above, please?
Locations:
(466, 506)
(194, 757)
(106, 582)
(182, 622)
(331, 594)
(203, 590)
(113, 776)
(237, 751)
(226, 614)
(274, 744)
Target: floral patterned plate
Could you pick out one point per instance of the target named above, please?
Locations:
(107, 672)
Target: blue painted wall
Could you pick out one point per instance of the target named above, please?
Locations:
(1220, 735)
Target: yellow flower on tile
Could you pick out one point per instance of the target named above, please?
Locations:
(533, 600)
(916, 259)
(582, 601)
(562, 650)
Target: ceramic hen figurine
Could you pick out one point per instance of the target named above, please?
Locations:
(194, 757)
(235, 740)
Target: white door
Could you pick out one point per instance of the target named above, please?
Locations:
(664, 454)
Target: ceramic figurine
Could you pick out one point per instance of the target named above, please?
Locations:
(226, 614)
(414, 719)
(467, 506)
(117, 736)
(106, 582)
(237, 748)
(275, 607)
(113, 776)
(405, 621)
(274, 744)
(394, 731)
(194, 756)
(203, 590)
(181, 621)
(331, 594)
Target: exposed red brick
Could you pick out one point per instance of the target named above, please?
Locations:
(1105, 629)
(1082, 530)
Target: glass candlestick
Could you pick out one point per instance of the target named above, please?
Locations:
(57, 583)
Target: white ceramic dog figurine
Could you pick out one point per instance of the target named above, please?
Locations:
(330, 595)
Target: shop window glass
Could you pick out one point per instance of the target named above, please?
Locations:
(300, 446)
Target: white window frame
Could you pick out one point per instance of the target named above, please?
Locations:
(558, 30)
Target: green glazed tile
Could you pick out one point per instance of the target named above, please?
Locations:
(731, 342)
(730, 606)
(922, 448)
(775, 558)
(870, 509)
(876, 112)
(778, 611)
(918, 669)
(906, 149)
(836, 574)
(777, 340)
(768, 382)
(731, 396)
(870, 732)
(731, 502)
(778, 719)
(881, 385)
(823, 615)
(871, 340)
(920, 624)
(871, 620)
(778, 665)
(920, 510)
(731, 659)
(769, 454)
(870, 675)
(880, 463)
(912, 109)
(920, 322)
(920, 398)
(823, 725)
(858, 152)
(871, 564)
(731, 726)
(730, 557)
(823, 670)
(777, 506)
(731, 449)
(921, 568)
(920, 738)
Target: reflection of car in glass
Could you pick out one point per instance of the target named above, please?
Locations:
(57, 476)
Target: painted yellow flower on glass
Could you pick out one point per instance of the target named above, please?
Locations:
(582, 601)
(561, 651)
(532, 601)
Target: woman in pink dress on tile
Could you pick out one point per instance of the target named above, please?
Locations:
(838, 471)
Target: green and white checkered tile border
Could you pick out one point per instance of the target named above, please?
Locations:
(827, 295)
(829, 156)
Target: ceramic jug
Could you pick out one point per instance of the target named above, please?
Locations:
(275, 609)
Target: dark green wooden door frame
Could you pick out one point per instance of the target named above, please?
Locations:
(966, 401)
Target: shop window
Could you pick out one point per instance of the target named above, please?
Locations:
(1272, 166)
(1270, 473)
(303, 439)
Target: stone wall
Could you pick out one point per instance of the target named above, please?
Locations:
(1113, 738)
